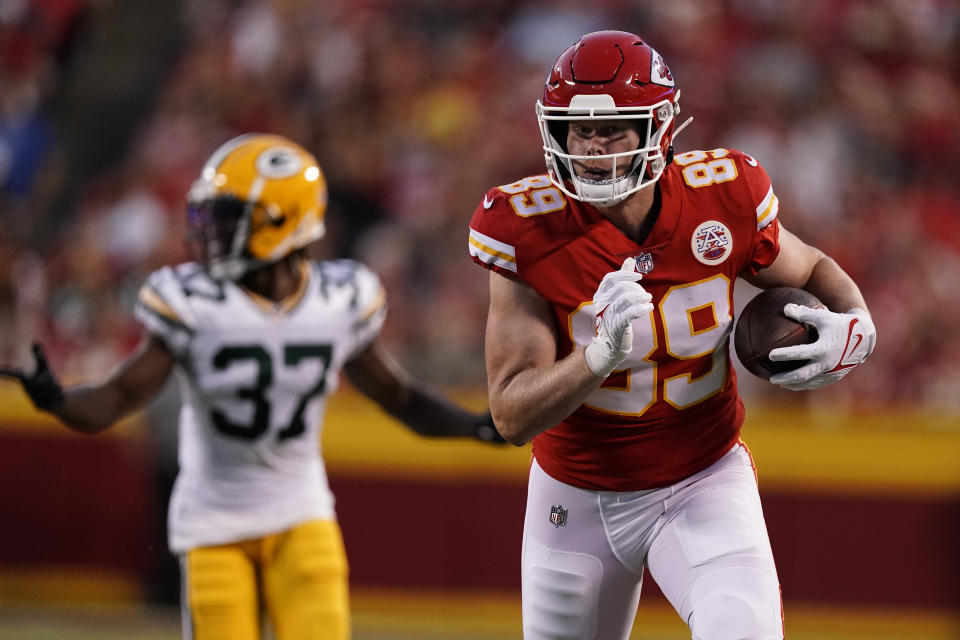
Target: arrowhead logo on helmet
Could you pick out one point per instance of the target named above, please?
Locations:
(659, 71)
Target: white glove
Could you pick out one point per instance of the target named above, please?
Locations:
(844, 341)
(619, 301)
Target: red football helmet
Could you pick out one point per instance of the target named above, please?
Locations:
(609, 75)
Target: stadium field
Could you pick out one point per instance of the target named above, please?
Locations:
(380, 616)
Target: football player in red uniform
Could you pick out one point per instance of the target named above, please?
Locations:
(611, 291)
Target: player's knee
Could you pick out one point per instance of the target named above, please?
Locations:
(737, 602)
(729, 616)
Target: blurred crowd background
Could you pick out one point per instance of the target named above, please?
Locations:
(108, 108)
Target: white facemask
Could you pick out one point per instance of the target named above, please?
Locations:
(648, 161)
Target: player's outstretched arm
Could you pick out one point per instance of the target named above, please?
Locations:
(93, 408)
(380, 377)
(530, 390)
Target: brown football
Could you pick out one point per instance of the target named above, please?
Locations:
(762, 327)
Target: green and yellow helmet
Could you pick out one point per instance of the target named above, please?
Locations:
(258, 198)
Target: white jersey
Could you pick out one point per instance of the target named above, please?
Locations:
(255, 377)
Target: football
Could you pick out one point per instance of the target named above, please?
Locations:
(762, 327)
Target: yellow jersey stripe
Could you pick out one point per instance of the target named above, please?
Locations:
(493, 246)
(767, 209)
(152, 300)
(289, 303)
(377, 304)
(492, 252)
(765, 203)
(771, 211)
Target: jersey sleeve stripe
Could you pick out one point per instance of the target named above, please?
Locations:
(157, 321)
(149, 298)
(378, 315)
(373, 307)
(492, 245)
(767, 209)
(491, 251)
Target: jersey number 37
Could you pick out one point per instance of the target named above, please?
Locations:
(256, 393)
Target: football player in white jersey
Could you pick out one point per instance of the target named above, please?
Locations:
(257, 334)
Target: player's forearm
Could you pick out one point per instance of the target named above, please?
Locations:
(430, 414)
(834, 287)
(91, 409)
(381, 378)
(537, 399)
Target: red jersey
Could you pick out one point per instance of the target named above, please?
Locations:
(673, 408)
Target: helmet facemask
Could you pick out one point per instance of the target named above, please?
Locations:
(218, 230)
(646, 163)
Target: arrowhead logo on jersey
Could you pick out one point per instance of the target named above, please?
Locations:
(711, 242)
(644, 262)
(558, 515)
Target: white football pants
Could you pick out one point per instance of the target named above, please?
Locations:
(703, 539)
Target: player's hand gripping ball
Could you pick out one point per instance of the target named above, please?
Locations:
(762, 326)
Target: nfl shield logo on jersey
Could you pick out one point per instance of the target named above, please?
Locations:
(644, 262)
(558, 515)
(711, 242)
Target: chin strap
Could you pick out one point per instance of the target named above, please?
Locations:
(681, 127)
(669, 157)
(676, 103)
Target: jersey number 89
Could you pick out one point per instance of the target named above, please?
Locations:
(685, 340)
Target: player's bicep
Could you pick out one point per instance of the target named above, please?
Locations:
(141, 376)
(792, 266)
(520, 331)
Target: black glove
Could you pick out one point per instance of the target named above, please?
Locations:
(485, 431)
(42, 387)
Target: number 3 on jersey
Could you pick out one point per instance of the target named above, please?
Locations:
(696, 321)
